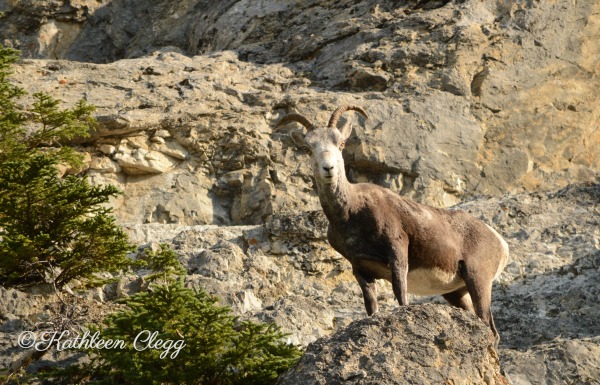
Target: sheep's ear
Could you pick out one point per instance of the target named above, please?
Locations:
(298, 138)
(346, 130)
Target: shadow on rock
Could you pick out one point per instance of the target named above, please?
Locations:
(563, 303)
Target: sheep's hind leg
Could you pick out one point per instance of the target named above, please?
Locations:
(369, 291)
(480, 290)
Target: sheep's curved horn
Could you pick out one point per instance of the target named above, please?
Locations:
(295, 118)
(340, 110)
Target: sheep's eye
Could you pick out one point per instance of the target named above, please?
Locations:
(343, 144)
(306, 149)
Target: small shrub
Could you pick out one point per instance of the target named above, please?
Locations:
(219, 348)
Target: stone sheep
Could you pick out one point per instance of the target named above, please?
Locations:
(420, 249)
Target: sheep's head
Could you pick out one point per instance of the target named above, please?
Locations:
(325, 144)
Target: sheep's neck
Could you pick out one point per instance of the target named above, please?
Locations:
(335, 198)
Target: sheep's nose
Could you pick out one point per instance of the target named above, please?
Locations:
(327, 168)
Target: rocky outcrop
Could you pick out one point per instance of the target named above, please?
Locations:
(420, 344)
(470, 98)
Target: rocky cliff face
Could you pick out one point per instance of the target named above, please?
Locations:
(468, 98)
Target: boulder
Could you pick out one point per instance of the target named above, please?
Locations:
(420, 344)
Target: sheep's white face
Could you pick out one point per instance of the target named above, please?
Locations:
(325, 146)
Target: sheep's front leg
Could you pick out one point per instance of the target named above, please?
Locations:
(369, 291)
(399, 267)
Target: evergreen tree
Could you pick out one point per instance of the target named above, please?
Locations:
(52, 229)
(55, 230)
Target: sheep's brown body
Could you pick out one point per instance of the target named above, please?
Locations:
(418, 248)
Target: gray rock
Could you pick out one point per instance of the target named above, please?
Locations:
(558, 362)
(420, 344)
